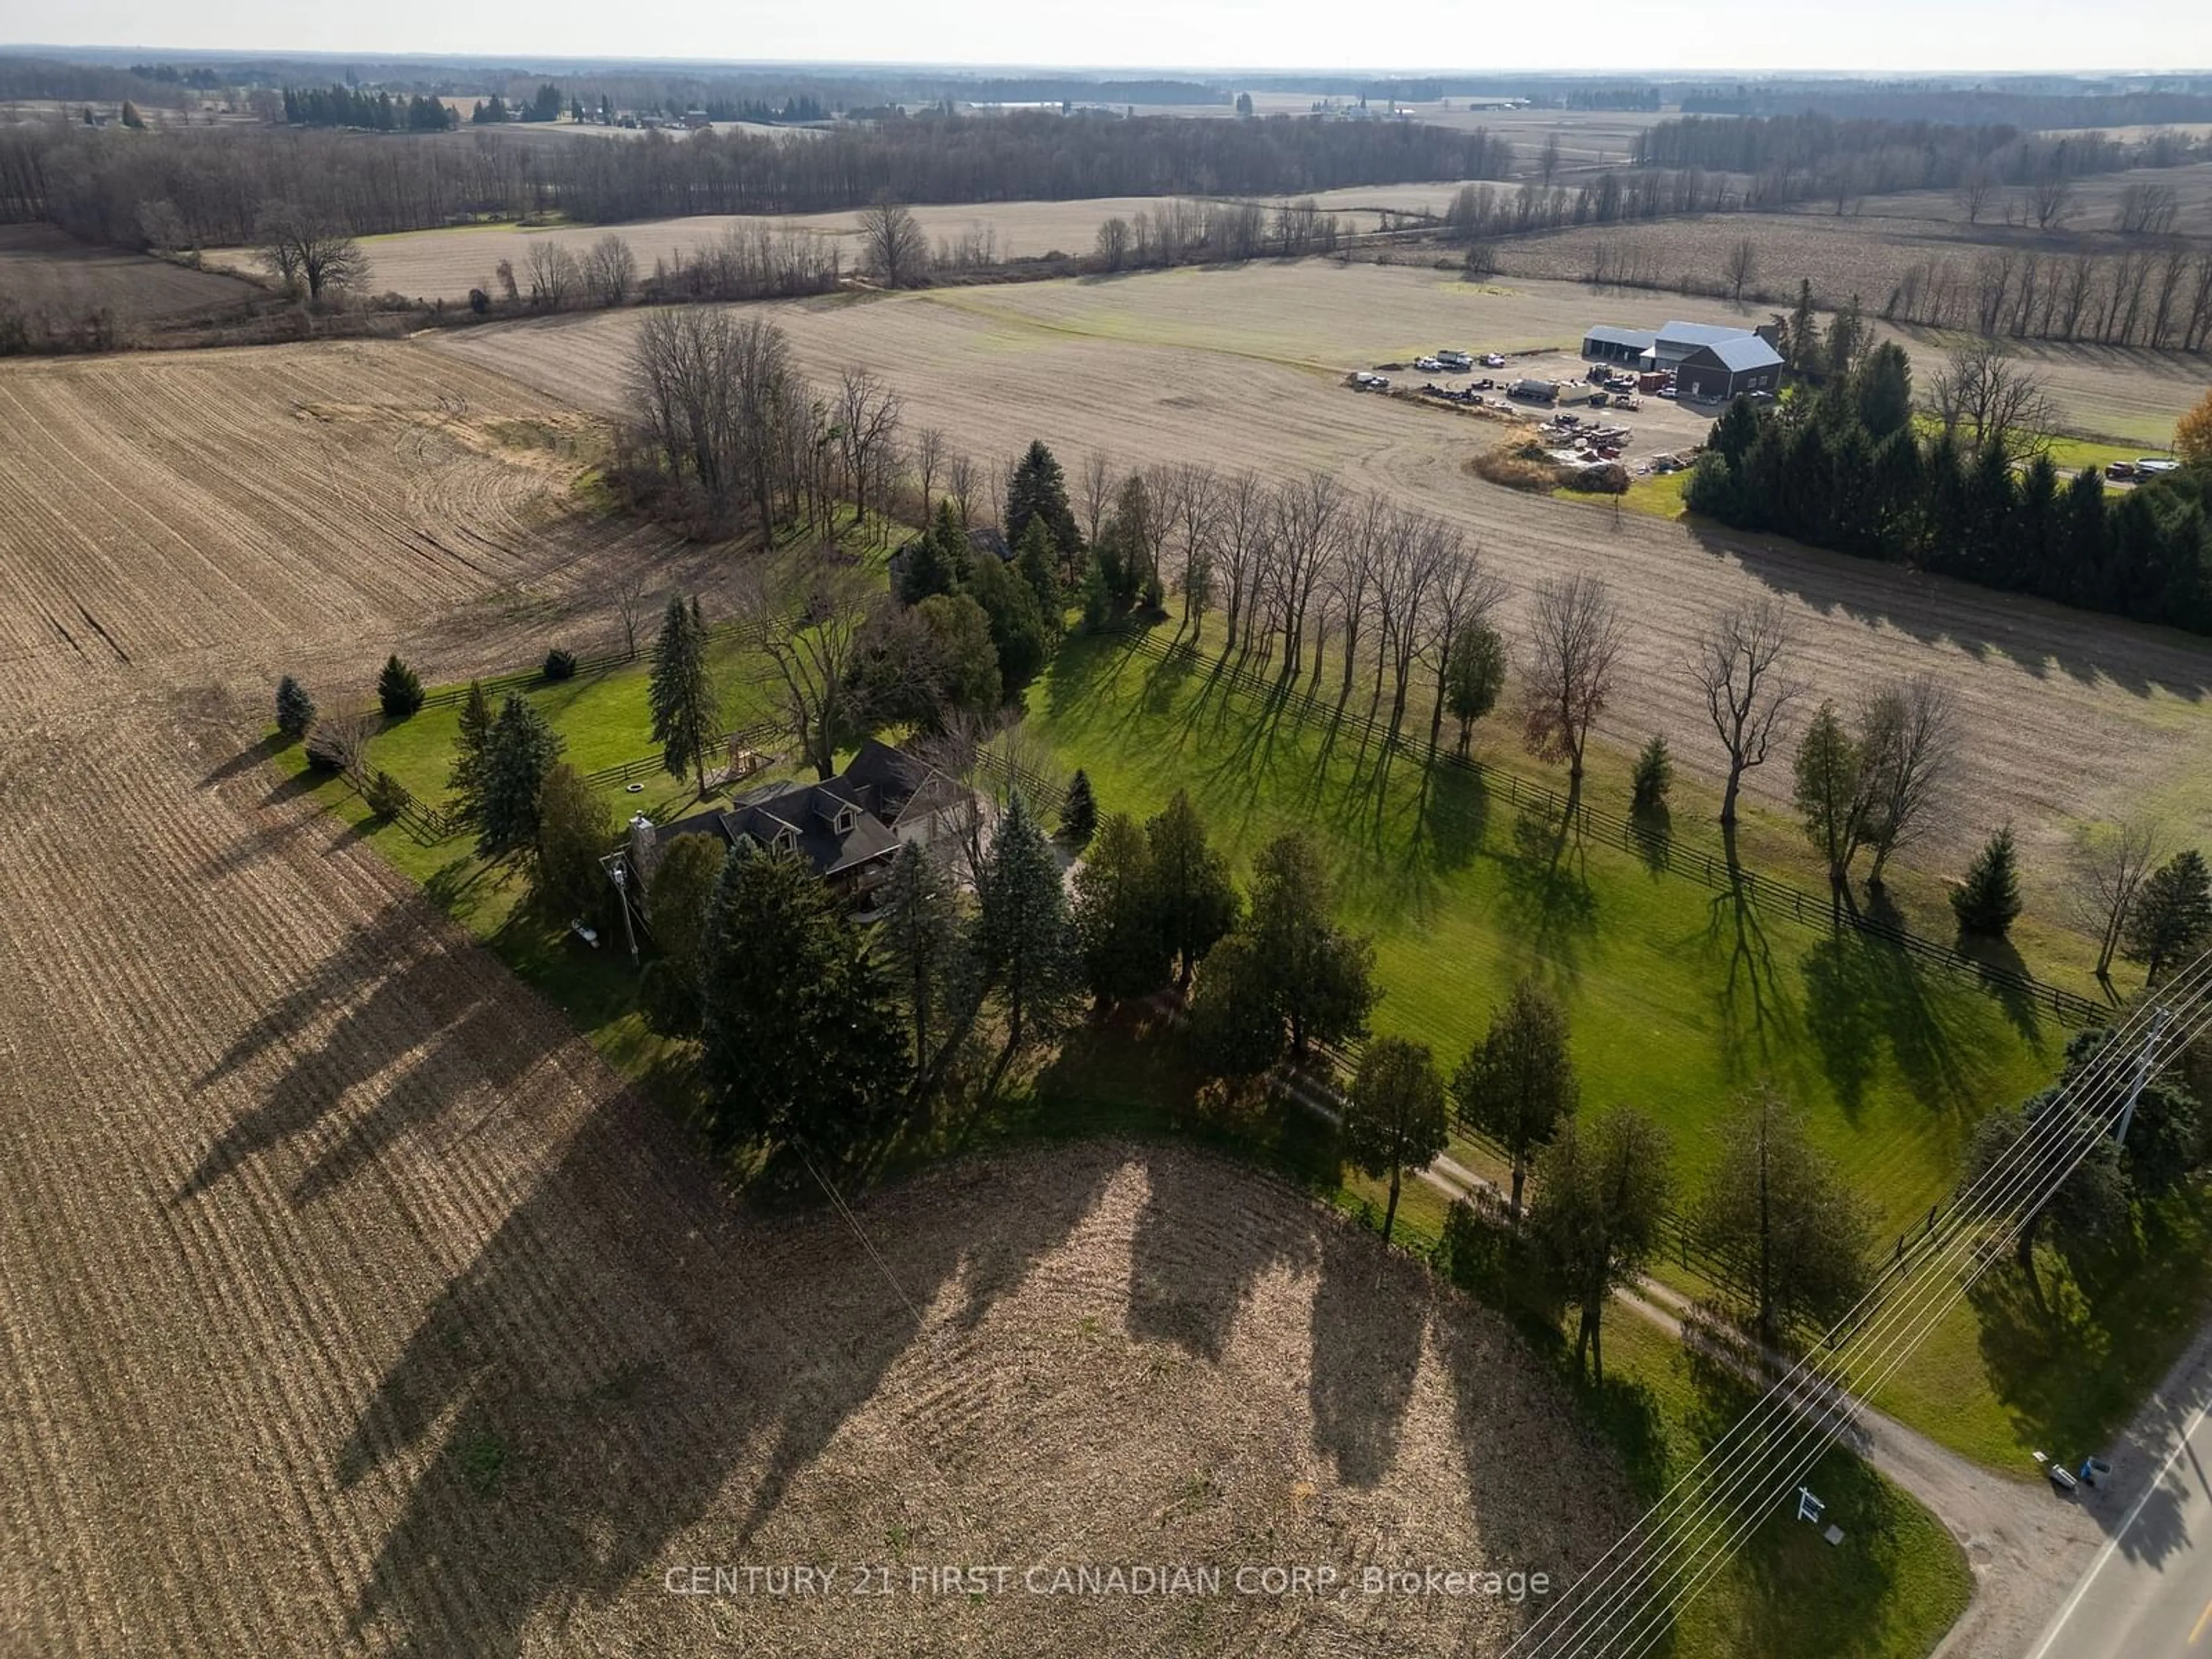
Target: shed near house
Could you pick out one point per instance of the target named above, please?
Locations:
(1725, 369)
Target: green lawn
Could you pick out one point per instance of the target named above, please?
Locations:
(1890, 1590)
(1679, 998)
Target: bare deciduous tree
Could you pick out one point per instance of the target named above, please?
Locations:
(1976, 185)
(306, 252)
(1097, 493)
(814, 658)
(1742, 265)
(864, 415)
(893, 249)
(2109, 866)
(1907, 737)
(1575, 636)
(960, 484)
(1984, 398)
(554, 276)
(611, 270)
(1740, 665)
(1465, 593)
(928, 457)
(2050, 200)
(629, 602)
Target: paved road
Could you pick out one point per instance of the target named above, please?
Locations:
(2148, 1593)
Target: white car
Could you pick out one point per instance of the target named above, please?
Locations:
(1429, 365)
(1493, 361)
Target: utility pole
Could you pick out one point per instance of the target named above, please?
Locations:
(2145, 1065)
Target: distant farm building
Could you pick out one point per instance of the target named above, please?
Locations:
(1712, 362)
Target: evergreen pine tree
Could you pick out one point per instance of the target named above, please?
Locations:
(921, 939)
(1039, 490)
(1987, 902)
(1198, 902)
(295, 709)
(1097, 592)
(1038, 562)
(398, 691)
(801, 1041)
(681, 693)
(1025, 948)
(471, 747)
(1654, 774)
(931, 568)
(575, 831)
(521, 751)
(1078, 812)
(2172, 916)
(1117, 913)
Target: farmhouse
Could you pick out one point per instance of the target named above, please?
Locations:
(1712, 361)
(849, 827)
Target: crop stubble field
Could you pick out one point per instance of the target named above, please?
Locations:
(350, 1302)
(45, 271)
(2067, 715)
(446, 263)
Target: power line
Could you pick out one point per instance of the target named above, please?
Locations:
(1707, 1498)
(1742, 1466)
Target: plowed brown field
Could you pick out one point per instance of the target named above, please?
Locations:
(348, 1302)
(2068, 715)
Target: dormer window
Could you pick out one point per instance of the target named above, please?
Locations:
(786, 840)
(844, 821)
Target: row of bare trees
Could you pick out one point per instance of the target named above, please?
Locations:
(2155, 297)
(1177, 232)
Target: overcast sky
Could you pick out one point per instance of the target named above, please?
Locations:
(1651, 35)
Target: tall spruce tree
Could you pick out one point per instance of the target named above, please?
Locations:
(920, 940)
(1117, 914)
(1079, 811)
(472, 750)
(802, 1045)
(1038, 489)
(2173, 917)
(1321, 978)
(1038, 562)
(1196, 899)
(522, 749)
(1024, 945)
(1988, 901)
(399, 689)
(681, 692)
(295, 709)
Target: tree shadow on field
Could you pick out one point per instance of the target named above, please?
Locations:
(1755, 1010)
(1454, 815)
(2035, 634)
(1368, 1333)
(247, 760)
(632, 1357)
(1192, 1261)
(1548, 1482)
(1863, 994)
(1547, 892)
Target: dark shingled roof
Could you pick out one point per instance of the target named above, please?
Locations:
(809, 813)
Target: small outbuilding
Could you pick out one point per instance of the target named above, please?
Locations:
(1606, 344)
